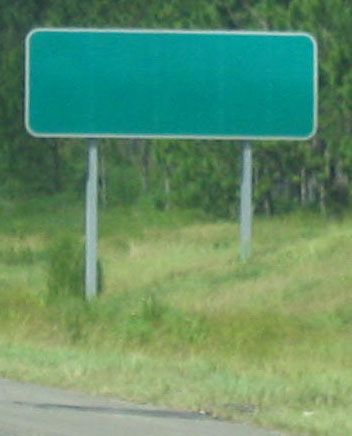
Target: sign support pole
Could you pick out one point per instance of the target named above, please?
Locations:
(91, 245)
(246, 213)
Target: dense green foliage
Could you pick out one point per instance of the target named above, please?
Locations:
(185, 173)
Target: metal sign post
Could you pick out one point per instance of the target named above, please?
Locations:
(246, 212)
(91, 244)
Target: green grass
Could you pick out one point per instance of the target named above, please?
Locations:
(182, 321)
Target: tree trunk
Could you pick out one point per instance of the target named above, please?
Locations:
(322, 198)
(268, 205)
(56, 159)
(145, 166)
(304, 195)
(312, 189)
(167, 188)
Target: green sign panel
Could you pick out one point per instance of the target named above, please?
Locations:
(175, 84)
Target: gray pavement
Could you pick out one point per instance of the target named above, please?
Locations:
(30, 410)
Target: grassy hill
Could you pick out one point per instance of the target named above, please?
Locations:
(182, 321)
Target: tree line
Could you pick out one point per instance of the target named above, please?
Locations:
(176, 173)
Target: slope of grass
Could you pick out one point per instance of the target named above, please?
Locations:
(182, 321)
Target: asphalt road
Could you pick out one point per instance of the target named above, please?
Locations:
(29, 410)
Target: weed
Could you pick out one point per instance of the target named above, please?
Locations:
(152, 310)
(65, 276)
(13, 255)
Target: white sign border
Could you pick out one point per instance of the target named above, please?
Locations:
(173, 136)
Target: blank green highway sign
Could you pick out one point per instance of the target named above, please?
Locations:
(177, 84)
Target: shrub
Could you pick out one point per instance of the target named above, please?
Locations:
(65, 274)
(66, 268)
